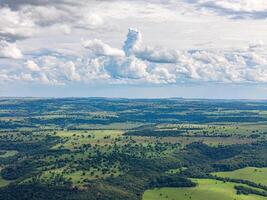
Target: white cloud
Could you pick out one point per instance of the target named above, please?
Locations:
(145, 65)
(133, 46)
(157, 55)
(90, 19)
(28, 19)
(129, 68)
(44, 15)
(133, 41)
(69, 69)
(178, 26)
(162, 75)
(9, 50)
(239, 5)
(15, 25)
(189, 41)
(32, 66)
(255, 9)
(26, 77)
(99, 48)
(44, 79)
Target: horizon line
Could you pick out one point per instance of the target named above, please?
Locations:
(130, 98)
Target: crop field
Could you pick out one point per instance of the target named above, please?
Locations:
(123, 149)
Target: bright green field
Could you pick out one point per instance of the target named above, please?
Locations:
(7, 153)
(256, 175)
(207, 189)
(2, 181)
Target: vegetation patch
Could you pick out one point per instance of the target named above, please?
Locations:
(205, 189)
(253, 174)
(7, 153)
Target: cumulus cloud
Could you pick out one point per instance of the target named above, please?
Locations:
(25, 19)
(15, 25)
(133, 46)
(9, 50)
(32, 66)
(136, 63)
(99, 48)
(129, 68)
(40, 24)
(56, 70)
(69, 69)
(159, 65)
(157, 55)
(133, 41)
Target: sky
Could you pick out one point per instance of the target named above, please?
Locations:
(134, 49)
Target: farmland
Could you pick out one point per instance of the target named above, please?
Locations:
(206, 189)
(254, 174)
(132, 149)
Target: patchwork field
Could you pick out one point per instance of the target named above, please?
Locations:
(116, 149)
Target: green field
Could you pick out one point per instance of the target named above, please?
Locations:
(256, 175)
(3, 182)
(77, 138)
(78, 178)
(117, 149)
(6, 154)
(206, 189)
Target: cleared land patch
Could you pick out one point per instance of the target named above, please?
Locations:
(253, 174)
(7, 153)
(3, 182)
(206, 189)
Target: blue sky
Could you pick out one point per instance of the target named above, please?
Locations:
(143, 48)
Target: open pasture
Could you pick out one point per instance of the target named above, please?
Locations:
(253, 174)
(7, 153)
(206, 189)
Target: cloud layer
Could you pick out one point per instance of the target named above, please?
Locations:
(9, 50)
(136, 63)
(41, 42)
(255, 9)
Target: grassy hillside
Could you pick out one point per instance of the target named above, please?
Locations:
(206, 189)
(256, 175)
